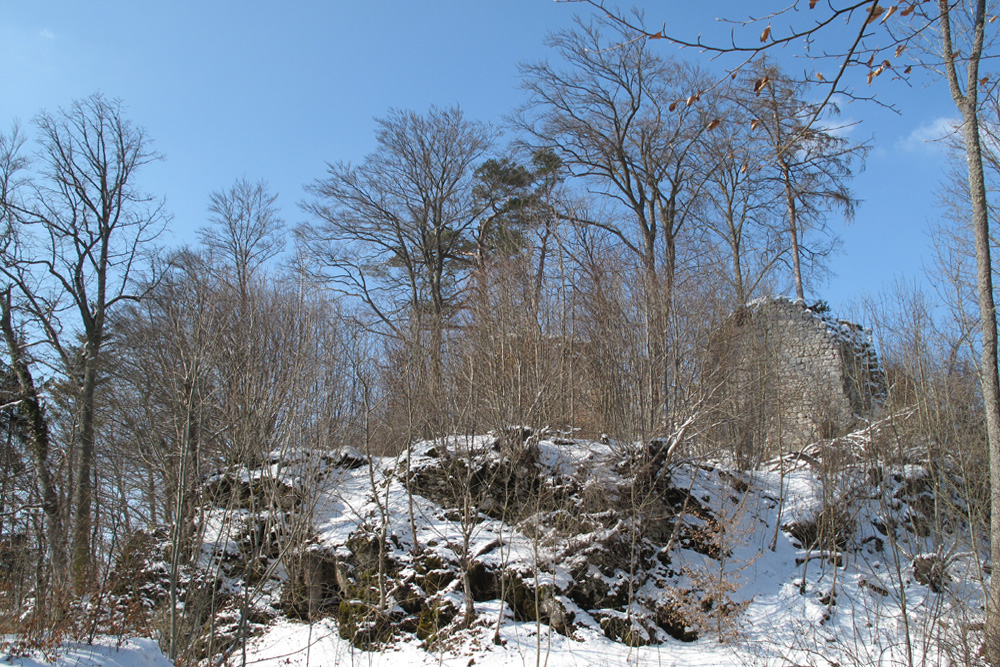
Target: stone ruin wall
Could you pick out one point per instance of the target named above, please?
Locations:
(791, 376)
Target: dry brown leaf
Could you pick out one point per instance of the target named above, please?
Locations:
(908, 10)
(870, 61)
(873, 13)
(899, 50)
(908, 69)
(985, 80)
(714, 124)
(889, 12)
(992, 19)
(767, 33)
(755, 123)
(760, 84)
(691, 100)
(813, 3)
(743, 169)
(658, 35)
(820, 77)
(673, 105)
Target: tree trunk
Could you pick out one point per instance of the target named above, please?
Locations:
(968, 105)
(793, 230)
(81, 556)
(734, 248)
(38, 432)
(990, 373)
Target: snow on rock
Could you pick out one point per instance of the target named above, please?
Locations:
(504, 548)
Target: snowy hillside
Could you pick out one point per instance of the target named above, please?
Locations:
(532, 549)
(502, 549)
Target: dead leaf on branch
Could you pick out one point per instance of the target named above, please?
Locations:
(658, 35)
(760, 84)
(874, 13)
(714, 124)
(899, 50)
(767, 33)
(755, 123)
(672, 107)
(875, 73)
(820, 77)
(889, 12)
(813, 3)
(909, 10)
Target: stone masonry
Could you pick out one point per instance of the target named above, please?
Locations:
(787, 375)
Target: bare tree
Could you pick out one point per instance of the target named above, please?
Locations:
(619, 116)
(206, 380)
(28, 398)
(740, 200)
(83, 227)
(395, 231)
(245, 230)
(810, 164)
(878, 42)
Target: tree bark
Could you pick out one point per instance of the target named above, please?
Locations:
(83, 522)
(38, 433)
(968, 105)
(990, 373)
(793, 230)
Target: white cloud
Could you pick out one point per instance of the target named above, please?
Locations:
(933, 136)
(840, 127)
(46, 34)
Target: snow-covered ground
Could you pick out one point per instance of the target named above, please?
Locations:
(103, 652)
(902, 584)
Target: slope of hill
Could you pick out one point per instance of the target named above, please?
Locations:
(525, 548)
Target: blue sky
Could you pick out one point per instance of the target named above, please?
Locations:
(274, 91)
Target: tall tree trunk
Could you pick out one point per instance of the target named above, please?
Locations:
(38, 434)
(793, 230)
(968, 105)
(734, 247)
(990, 372)
(83, 521)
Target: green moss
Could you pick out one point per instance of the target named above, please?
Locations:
(366, 627)
(436, 616)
